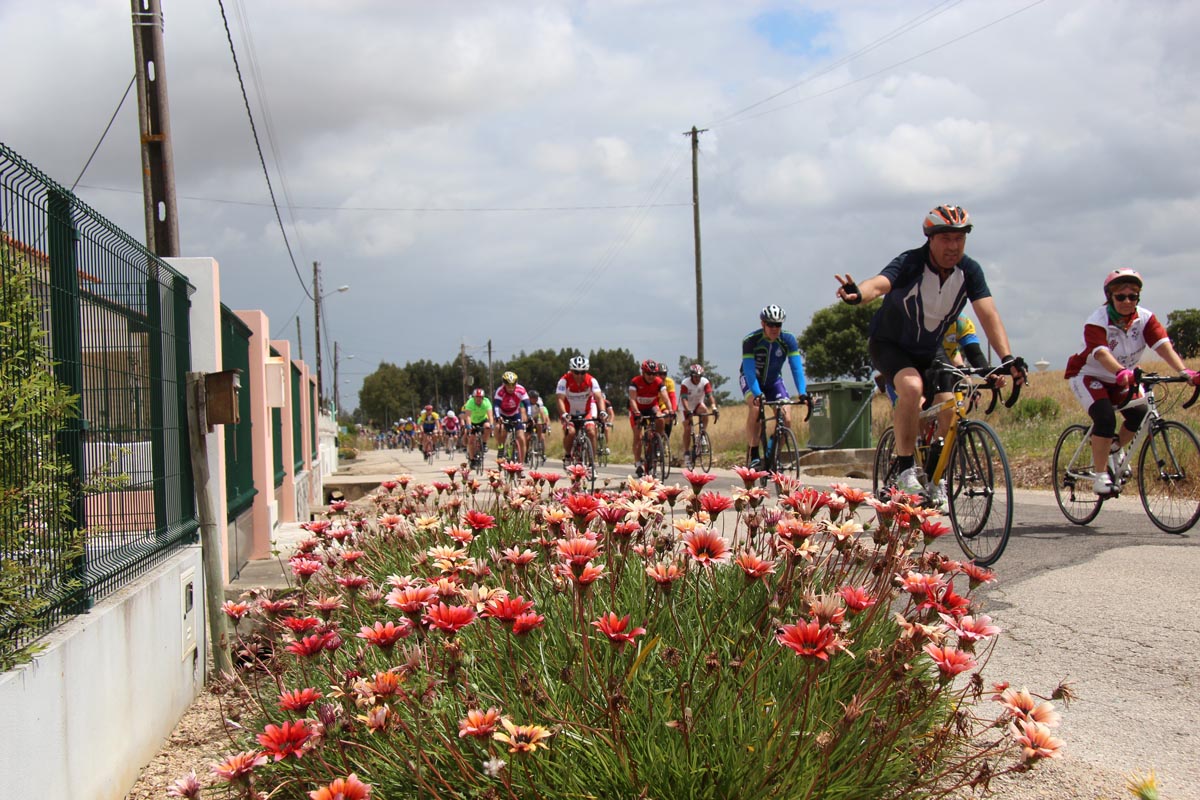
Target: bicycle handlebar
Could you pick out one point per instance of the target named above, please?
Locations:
(785, 401)
(989, 374)
(1152, 378)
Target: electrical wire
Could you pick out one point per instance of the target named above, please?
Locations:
(107, 128)
(258, 147)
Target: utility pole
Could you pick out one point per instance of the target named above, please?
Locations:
(337, 396)
(299, 340)
(462, 360)
(316, 293)
(695, 134)
(491, 381)
(154, 124)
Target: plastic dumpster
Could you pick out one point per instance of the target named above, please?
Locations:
(841, 414)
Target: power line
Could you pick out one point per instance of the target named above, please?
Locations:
(258, 147)
(107, 128)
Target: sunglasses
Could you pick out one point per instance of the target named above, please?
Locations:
(1123, 297)
(774, 324)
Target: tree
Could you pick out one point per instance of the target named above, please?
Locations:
(835, 343)
(715, 378)
(1184, 327)
(613, 369)
(386, 395)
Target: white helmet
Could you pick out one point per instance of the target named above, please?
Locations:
(772, 314)
(579, 364)
(449, 413)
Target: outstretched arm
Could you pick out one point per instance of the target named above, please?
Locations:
(855, 293)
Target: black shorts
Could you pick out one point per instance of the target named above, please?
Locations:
(889, 359)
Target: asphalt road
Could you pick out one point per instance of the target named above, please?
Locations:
(1113, 608)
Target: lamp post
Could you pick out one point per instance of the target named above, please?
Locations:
(337, 396)
(317, 298)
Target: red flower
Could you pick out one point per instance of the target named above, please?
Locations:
(507, 609)
(753, 566)
(714, 503)
(706, 546)
(978, 575)
(614, 628)
(301, 624)
(479, 521)
(310, 646)
(809, 639)
(669, 494)
(235, 611)
(239, 766)
(750, 476)
(285, 740)
(582, 507)
(612, 514)
(449, 619)
(857, 598)
(524, 623)
(806, 502)
(385, 636)
(389, 485)
(950, 662)
(627, 529)
(698, 480)
(348, 788)
(932, 530)
(299, 700)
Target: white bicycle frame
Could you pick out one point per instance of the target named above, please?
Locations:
(1118, 462)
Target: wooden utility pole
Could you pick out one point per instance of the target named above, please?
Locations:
(491, 381)
(695, 134)
(316, 293)
(154, 124)
(337, 396)
(462, 359)
(299, 341)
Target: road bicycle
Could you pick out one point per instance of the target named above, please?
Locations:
(602, 448)
(698, 453)
(780, 453)
(477, 441)
(510, 449)
(535, 447)
(581, 448)
(1168, 464)
(656, 450)
(970, 460)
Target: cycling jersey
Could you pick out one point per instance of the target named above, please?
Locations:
(477, 411)
(693, 393)
(645, 393)
(762, 363)
(450, 424)
(428, 421)
(959, 335)
(672, 404)
(919, 308)
(1125, 344)
(579, 392)
(508, 403)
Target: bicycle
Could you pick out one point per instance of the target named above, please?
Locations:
(971, 460)
(510, 450)
(656, 450)
(699, 450)
(477, 442)
(602, 449)
(581, 448)
(1168, 464)
(780, 452)
(535, 447)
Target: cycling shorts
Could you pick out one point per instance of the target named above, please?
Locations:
(513, 423)
(773, 391)
(429, 427)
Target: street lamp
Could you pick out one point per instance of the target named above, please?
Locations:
(317, 298)
(337, 397)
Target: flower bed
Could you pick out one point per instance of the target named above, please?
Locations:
(525, 639)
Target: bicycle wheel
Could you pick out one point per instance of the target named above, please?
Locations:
(581, 454)
(979, 490)
(665, 450)
(882, 477)
(601, 445)
(1072, 475)
(656, 456)
(786, 453)
(703, 454)
(1169, 476)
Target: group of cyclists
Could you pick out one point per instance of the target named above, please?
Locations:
(918, 328)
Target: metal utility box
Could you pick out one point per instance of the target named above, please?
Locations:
(221, 397)
(841, 415)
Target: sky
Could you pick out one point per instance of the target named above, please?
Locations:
(518, 172)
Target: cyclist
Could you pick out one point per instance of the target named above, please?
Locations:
(427, 421)
(646, 395)
(764, 352)
(1114, 338)
(671, 409)
(924, 291)
(511, 406)
(451, 429)
(478, 411)
(695, 397)
(579, 397)
(539, 415)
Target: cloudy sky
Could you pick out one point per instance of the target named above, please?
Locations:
(517, 171)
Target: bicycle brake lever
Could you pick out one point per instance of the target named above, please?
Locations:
(1133, 386)
(995, 397)
(1195, 395)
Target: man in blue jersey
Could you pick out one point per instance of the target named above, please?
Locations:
(764, 352)
(924, 291)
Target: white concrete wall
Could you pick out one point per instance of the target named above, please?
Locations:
(81, 720)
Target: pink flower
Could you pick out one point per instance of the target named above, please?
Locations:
(806, 502)
(698, 480)
(305, 568)
(479, 724)
(714, 504)
(237, 767)
(235, 611)
(749, 476)
(669, 494)
(614, 628)
(664, 574)
(524, 623)
(1035, 740)
(578, 551)
(970, 629)
(950, 662)
(857, 598)
(706, 546)
(449, 619)
(299, 700)
(517, 557)
(188, 787)
(411, 599)
(809, 639)
(977, 575)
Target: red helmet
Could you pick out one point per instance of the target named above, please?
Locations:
(1122, 275)
(429, 408)
(696, 370)
(478, 394)
(947, 218)
(649, 367)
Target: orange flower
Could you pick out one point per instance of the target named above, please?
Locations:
(522, 738)
(1023, 706)
(809, 639)
(449, 619)
(664, 574)
(284, 740)
(1035, 740)
(348, 788)
(706, 546)
(235, 611)
(754, 567)
(411, 599)
(614, 627)
(578, 551)
(459, 534)
(480, 724)
(239, 766)
(806, 502)
(589, 574)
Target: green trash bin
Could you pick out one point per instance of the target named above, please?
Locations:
(841, 415)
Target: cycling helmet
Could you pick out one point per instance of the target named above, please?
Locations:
(662, 369)
(947, 218)
(478, 394)
(696, 370)
(1122, 275)
(450, 414)
(509, 377)
(773, 315)
(579, 364)
(649, 367)
(429, 408)
(533, 395)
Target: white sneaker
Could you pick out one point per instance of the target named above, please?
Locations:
(911, 480)
(937, 495)
(1103, 485)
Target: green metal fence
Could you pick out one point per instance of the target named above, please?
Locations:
(100, 490)
(239, 467)
(277, 436)
(297, 421)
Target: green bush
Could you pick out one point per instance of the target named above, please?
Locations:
(648, 643)
(1034, 409)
